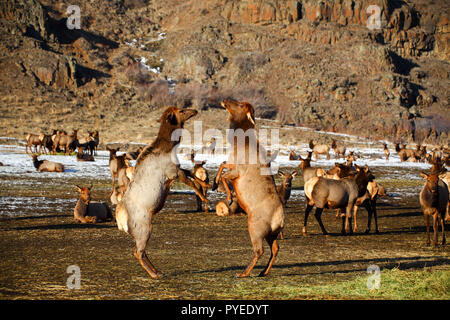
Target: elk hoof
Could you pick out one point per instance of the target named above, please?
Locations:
(377, 231)
(241, 275)
(304, 232)
(367, 231)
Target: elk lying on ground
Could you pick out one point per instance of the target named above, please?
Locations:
(155, 171)
(338, 150)
(319, 149)
(255, 192)
(386, 151)
(434, 201)
(82, 156)
(336, 194)
(46, 165)
(32, 140)
(87, 211)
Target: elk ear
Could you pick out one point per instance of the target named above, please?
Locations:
(366, 168)
(280, 173)
(90, 187)
(294, 173)
(424, 175)
(78, 188)
(357, 168)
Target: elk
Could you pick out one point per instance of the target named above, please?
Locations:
(374, 190)
(46, 142)
(405, 154)
(308, 171)
(93, 141)
(386, 151)
(200, 173)
(68, 141)
(255, 189)
(46, 165)
(115, 164)
(284, 189)
(434, 201)
(82, 156)
(32, 140)
(336, 194)
(338, 150)
(319, 149)
(134, 154)
(87, 211)
(156, 169)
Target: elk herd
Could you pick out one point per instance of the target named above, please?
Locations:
(141, 191)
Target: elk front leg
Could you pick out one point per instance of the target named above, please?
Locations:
(427, 221)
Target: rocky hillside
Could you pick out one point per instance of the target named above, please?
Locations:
(322, 64)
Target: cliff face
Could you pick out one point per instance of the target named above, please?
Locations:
(325, 64)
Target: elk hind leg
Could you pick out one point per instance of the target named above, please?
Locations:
(273, 244)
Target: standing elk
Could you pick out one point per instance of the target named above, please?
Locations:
(319, 149)
(68, 141)
(338, 150)
(156, 169)
(255, 191)
(336, 194)
(32, 140)
(434, 201)
(386, 151)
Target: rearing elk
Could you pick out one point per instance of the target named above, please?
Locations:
(255, 189)
(156, 169)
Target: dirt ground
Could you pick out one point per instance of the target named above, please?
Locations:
(198, 253)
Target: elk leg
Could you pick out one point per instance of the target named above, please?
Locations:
(141, 256)
(183, 177)
(374, 211)
(257, 253)
(355, 211)
(369, 218)
(318, 215)
(427, 221)
(272, 241)
(435, 229)
(443, 231)
(307, 211)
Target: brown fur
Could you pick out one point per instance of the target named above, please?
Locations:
(336, 194)
(47, 166)
(319, 149)
(434, 201)
(338, 150)
(256, 193)
(87, 211)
